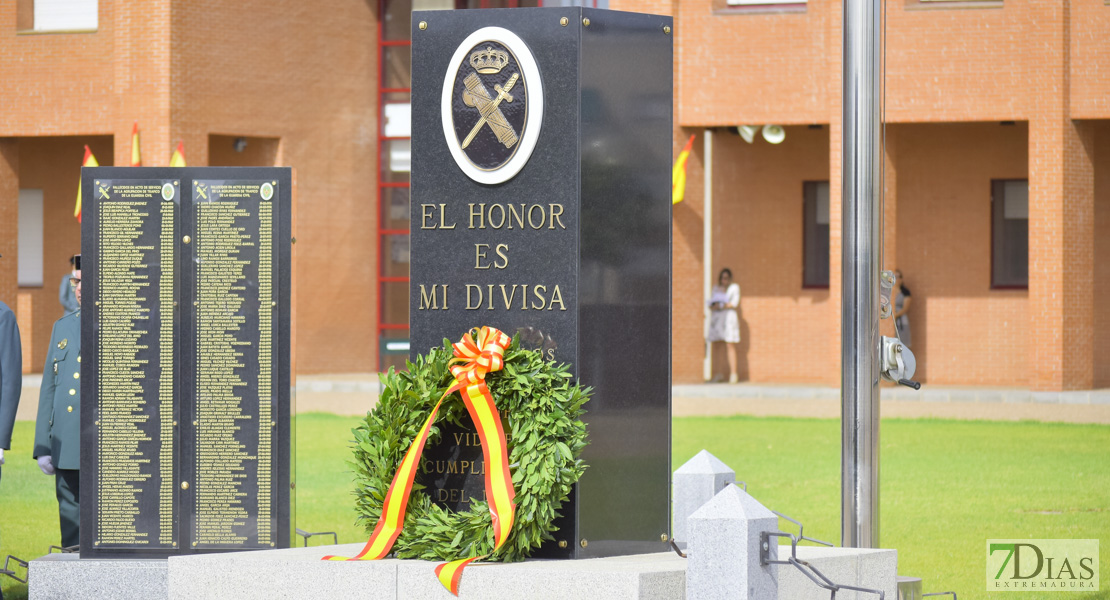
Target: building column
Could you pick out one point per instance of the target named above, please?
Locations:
(1061, 254)
(9, 221)
(1061, 215)
(144, 77)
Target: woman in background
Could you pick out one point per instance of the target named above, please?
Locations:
(724, 324)
(902, 300)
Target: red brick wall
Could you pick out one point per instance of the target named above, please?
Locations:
(304, 73)
(687, 281)
(963, 331)
(52, 165)
(757, 233)
(1089, 48)
(1101, 288)
(748, 68)
(1043, 63)
(57, 84)
(9, 221)
(242, 68)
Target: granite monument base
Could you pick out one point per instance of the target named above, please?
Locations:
(67, 577)
(299, 573)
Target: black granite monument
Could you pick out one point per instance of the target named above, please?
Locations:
(541, 171)
(185, 331)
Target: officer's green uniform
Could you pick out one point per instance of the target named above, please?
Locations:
(58, 429)
(11, 374)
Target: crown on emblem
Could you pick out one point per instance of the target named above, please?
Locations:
(489, 61)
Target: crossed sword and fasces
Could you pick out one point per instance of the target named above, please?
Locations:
(476, 95)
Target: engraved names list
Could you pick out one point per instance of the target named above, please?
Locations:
(235, 364)
(135, 345)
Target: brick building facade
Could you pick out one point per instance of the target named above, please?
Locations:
(977, 93)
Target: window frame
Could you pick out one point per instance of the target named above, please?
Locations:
(805, 238)
(997, 202)
(28, 24)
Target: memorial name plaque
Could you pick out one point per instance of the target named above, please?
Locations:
(186, 406)
(235, 392)
(541, 206)
(135, 228)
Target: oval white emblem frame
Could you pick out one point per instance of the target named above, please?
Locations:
(534, 87)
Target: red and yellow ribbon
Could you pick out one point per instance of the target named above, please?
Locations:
(474, 359)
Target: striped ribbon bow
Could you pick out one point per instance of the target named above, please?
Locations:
(475, 357)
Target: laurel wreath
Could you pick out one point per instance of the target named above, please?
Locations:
(545, 433)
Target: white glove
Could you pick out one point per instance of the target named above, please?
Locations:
(1, 456)
(46, 465)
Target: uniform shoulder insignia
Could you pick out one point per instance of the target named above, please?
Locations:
(62, 344)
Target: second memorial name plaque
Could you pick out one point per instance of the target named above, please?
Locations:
(186, 378)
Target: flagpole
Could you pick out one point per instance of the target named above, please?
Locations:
(859, 301)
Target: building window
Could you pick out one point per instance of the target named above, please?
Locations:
(57, 15)
(29, 272)
(1010, 233)
(743, 6)
(815, 234)
(948, 4)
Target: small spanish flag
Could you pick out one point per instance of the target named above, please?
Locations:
(678, 176)
(178, 158)
(136, 156)
(90, 161)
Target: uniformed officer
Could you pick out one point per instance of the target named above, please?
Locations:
(11, 376)
(58, 428)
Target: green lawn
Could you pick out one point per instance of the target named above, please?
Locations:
(947, 486)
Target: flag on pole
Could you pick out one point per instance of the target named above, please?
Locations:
(136, 156)
(90, 161)
(178, 158)
(678, 176)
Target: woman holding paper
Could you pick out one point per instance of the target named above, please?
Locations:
(724, 324)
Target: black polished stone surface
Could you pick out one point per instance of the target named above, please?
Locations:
(185, 399)
(588, 278)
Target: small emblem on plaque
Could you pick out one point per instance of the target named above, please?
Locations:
(492, 105)
(103, 192)
(202, 190)
(267, 191)
(167, 192)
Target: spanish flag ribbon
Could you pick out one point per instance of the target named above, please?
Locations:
(475, 357)
(88, 161)
(178, 157)
(136, 155)
(678, 174)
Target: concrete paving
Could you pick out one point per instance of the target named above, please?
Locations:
(356, 393)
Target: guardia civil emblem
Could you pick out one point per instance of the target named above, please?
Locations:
(492, 105)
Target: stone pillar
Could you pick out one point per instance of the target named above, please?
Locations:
(1061, 214)
(724, 550)
(9, 221)
(695, 483)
